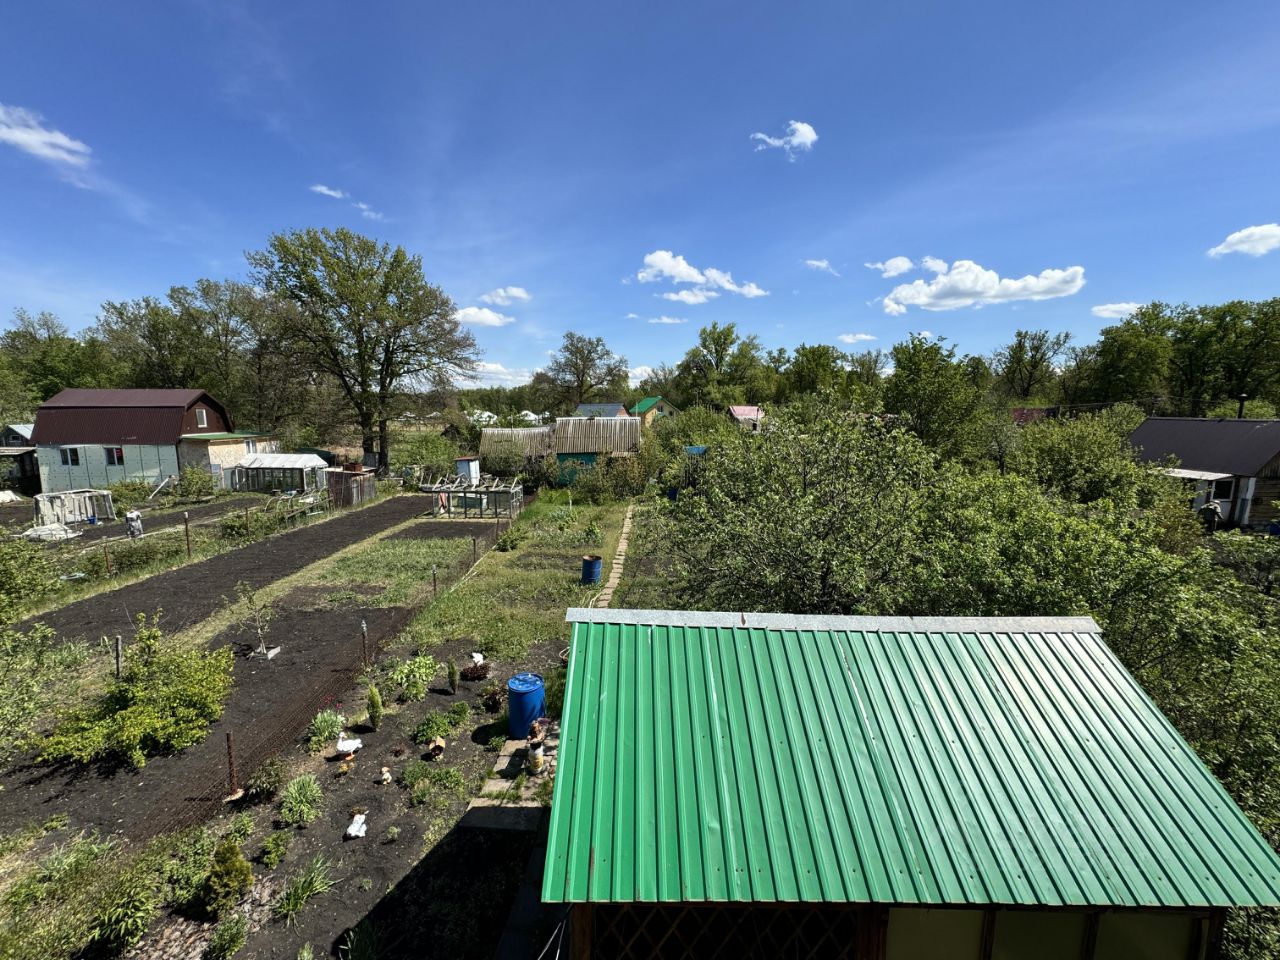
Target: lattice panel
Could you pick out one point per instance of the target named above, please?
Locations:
(708, 932)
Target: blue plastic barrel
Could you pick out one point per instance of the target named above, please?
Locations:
(590, 570)
(526, 702)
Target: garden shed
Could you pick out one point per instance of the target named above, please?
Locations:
(882, 788)
(269, 472)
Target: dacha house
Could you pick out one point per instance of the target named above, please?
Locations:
(94, 438)
(760, 785)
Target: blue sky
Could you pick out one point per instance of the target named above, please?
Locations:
(601, 160)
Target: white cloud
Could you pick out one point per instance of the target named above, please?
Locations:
(854, 337)
(800, 136)
(664, 263)
(505, 296)
(1114, 311)
(966, 284)
(25, 130)
(496, 375)
(636, 374)
(632, 316)
(1255, 241)
(891, 267)
(691, 297)
(927, 334)
(822, 265)
(667, 320)
(933, 264)
(366, 211)
(482, 317)
(724, 280)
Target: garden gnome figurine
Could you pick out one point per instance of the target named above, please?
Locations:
(133, 524)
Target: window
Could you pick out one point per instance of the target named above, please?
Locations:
(1222, 489)
(70, 456)
(202, 417)
(115, 456)
(251, 446)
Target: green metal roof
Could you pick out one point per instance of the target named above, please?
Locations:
(232, 435)
(645, 404)
(759, 757)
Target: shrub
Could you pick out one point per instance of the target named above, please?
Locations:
(413, 772)
(133, 905)
(437, 783)
(129, 493)
(230, 879)
(392, 834)
(195, 484)
(241, 827)
(26, 577)
(186, 869)
(459, 713)
(374, 703)
(300, 802)
(510, 539)
(451, 671)
(434, 724)
(324, 729)
(413, 675)
(228, 937)
(164, 701)
(266, 781)
(274, 849)
(314, 879)
(33, 666)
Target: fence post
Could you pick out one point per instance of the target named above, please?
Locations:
(364, 642)
(119, 655)
(186, 527)
(473, 551)
(231, 766)
(434, 589)
(106, 553)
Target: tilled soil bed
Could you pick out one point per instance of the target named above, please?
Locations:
(191, 593)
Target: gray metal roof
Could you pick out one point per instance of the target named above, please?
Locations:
(281, 461)
(597, 435)
(1238, 447)
(530, 441)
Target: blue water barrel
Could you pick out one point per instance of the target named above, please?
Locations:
(526, 702)
(590, 570)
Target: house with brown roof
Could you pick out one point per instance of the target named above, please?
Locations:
(747, 416)
(94, 438)
(1233, 462)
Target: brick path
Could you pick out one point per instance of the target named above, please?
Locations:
(619, 558)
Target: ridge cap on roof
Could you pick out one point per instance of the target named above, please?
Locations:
(788, 621)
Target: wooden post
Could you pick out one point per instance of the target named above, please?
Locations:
(106, 553)
(580, 933)
(435, 590)
(246, 520)
(364, 642)
(186, 528)
(232, 785)
(474, 554)
(119, 655)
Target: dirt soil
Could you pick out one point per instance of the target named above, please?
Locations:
(270, 705)
(156, 518)
(192, 593)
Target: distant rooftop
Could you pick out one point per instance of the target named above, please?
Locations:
(1238, 447)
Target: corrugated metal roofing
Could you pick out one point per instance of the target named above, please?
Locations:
(750, 757)
(531, 441)
(1238, 447)
(22, 429)
(600, 410)
(598, 435)
(281, 461)
(116, 416)
(745, 412)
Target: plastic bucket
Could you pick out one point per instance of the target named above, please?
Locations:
(526, 702)
(590, 569)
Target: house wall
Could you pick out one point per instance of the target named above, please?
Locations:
(147, 462)
(1264, 510)
(215, 422)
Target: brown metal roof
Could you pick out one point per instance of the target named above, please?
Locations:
(117, 416)
(1238, 447)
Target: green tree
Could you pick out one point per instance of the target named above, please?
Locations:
(584, 370)
(935, 394)
(365, 315)
(1026, 367)
(723, 368)
(1131, 362)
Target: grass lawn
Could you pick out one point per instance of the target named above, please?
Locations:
(392, 572)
